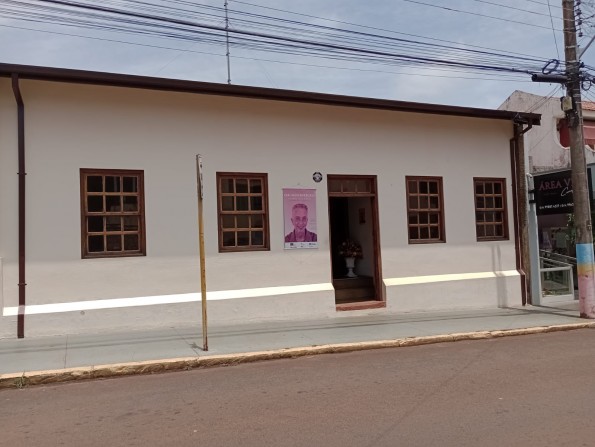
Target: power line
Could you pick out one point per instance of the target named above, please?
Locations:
(528, 11)
(553, 31)
(269, 42)
(446, 8)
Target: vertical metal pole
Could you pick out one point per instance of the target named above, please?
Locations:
(227, 43)
(582, 208)
(201, 244)
(22, 223)
(534, 248)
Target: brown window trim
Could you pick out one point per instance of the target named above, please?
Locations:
(85, 214)
(419, 211)
(503, 209)
(263, 177)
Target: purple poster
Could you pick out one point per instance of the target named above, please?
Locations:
(299, 211)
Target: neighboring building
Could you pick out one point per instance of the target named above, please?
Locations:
(547, 146)
(110, 239)
(548, 160)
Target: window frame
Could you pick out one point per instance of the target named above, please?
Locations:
(142, 250)
(504, 209)
(263, 177)
(418, 211)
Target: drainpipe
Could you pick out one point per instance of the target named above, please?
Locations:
(519, 187)
(21, 150)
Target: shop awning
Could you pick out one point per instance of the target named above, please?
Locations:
(588, 132)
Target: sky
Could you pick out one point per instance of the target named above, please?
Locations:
(508, 26)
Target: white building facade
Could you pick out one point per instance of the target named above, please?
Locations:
(107, 235)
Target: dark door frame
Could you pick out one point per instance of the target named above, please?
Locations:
(373, 195)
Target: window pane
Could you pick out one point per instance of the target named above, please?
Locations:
(94, 224)
(434, 218)
(228, 221)
(413, 233)
(114, 243)
(113, 223)
(227, 203)
(423, 218)
(243, 221)
(229, 239)
(95, 244)
(481, 231)
(498, 188)
(131, 223)
(227, 185)
(241, 185)
(489, 202)
(131, 242)
(256, 186)
(490, 230)
(423, 203)
(130, 184)
(256, 203)
(257, 238)
(479, 216)
(413, 219)
(499, 230)
(130, 203)
(412, 186)
(498, 202)
(423, 187)
(242, 204)
(480, 203)
(112, 183)
(424, 233)
(413, 203)
(479, 188)
(434, 202)
(95, 204)
(488, 188)
(113, 204)
(243, 238)
(433, 187)
(94, 183)
(257, 221)
(434, 232)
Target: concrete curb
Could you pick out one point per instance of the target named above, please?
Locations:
(20, 380)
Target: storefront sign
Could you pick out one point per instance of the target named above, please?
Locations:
(553, 193)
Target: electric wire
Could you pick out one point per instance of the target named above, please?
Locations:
(176, 28)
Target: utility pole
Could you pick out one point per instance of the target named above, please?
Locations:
(582, 208)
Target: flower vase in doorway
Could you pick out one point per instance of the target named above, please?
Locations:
(350, 250)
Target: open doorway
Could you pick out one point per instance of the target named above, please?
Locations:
(353, 216)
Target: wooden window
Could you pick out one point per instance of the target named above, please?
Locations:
(242, 211)
(425, 212)
(491, 222)
(112, 213)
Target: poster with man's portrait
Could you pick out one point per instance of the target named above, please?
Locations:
(299, 211)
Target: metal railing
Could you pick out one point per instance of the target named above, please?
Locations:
(558, 273)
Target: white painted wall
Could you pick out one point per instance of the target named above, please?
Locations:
(70, 126)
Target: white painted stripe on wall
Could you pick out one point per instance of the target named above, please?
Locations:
(449, 277)
(115, 303)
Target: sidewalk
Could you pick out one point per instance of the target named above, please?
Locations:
(74, 356)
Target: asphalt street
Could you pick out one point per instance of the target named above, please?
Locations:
(533, 390)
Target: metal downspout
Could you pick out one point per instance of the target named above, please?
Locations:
(21, 157)
(518, 230)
